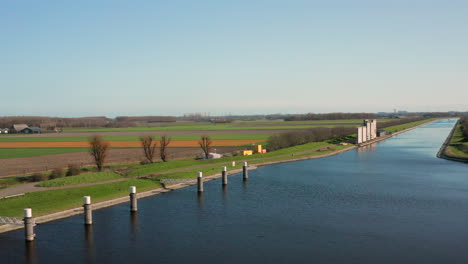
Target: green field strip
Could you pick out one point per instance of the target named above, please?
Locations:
(132, 138)
(11, 153)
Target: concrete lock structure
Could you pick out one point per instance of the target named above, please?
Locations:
(224, 176)
(88, 210)
(29, 224)
(359, 135)
(133, 199)
(200, 181)
(245, 173)
(367, 131)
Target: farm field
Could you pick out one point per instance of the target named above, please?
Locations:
(12, 153)
(22, 154)
(241, 125)
(28, 165)
(126, 144)
(64, 138)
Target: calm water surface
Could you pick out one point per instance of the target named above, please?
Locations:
(392, 202)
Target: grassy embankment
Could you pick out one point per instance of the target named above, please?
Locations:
(80, 179)
(45, 202)
(458, 147)
(397, 128)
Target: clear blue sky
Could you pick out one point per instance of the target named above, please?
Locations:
(96, 57)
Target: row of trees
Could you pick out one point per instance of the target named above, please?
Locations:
(330, 116)
(464, 126)
(50, 123)
(318, 134)
(397, 122)
(99, 148)
(289, 139)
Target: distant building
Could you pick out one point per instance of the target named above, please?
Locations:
(367, 131)
(381, 132)
(4, 130)
(17, 128)
(25, 129)
(35, 130)
(214, 155)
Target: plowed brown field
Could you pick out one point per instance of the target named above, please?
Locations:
(124, 144)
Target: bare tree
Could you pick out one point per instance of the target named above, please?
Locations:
(148, 147)
(163, 143)
(205, 144)
(98, 148)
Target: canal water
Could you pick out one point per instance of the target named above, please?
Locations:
(392, 202)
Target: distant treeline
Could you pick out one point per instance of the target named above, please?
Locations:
(147, 119)
(330, 116)
(396, 122)
(290, 139)
(464, 126)
(51, 123)
(54, 122)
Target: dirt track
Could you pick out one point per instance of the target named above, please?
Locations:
(26, 166)
(124, 144)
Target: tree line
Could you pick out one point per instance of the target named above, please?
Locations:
(290, 139)
(318, 134)
(330, 116)
(99, 149)
(464, 126)
(396, 122)
(51, 123)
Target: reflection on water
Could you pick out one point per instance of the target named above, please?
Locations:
(31, 257)
(200, 200)
(368, 148)
(134, 222)
(224, 192)
(89, 242)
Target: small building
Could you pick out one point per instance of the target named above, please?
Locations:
(35, 130)
(214, 156)
(17, 128)
(247, 152)
(4, 130)
(25, 129)
(381, 132)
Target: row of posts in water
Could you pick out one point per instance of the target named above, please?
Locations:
(29, 221)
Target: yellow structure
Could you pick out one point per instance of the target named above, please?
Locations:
(258, 149)
(247, 152)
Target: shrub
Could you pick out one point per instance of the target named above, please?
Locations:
(36, 177)
(73, 170)
(318, 134)
(464, 148)
(56, 173)
(144, 162)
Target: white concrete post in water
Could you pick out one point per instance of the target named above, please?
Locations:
(88, 210)
(133, 199)
(28, 225)
(245, 172)
(224, 175)
(200, 181)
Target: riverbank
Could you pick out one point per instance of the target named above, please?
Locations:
(446, 150)
(262, 162)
